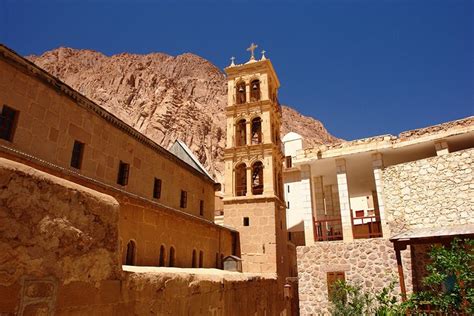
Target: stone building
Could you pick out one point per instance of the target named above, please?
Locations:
(164, 221)
(355, 198)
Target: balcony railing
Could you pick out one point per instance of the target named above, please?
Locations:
(366, 226)
(327, 229)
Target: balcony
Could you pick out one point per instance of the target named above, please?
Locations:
(328, 229)
(366, 226)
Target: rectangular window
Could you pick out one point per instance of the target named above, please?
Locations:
(289, 236)
(288, 204)
(8, 119)
(157, 188)
(289, 162)
(124, 169)
(201, 207)
(288, 188)
(77, 153)
(246, 221)
(183, 203)
(332, 278)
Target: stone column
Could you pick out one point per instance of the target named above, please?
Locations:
(328, 200)
(335, 200)
(306, 205)
(247, 92)
(319, 211)
(249, 181)
(248, 132)
(344, 201)
(377, 165)
(441, 148)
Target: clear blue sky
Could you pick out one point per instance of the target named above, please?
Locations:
(361, 67)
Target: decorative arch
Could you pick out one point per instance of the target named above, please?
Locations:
(162, 261)
(241, 92)
(257, 178)
(130, 257)
(255, 90)
(241, 179)
(241, 132)
(256, 130)
(172, 257)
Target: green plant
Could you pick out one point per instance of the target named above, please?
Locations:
(450, 282)
(349, 299)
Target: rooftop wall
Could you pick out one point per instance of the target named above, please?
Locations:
(60, 256)
(432, 192)
(52, 116)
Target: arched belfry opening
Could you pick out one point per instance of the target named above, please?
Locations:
(240, 93)
(131, 250)
(257, 178)
(240, 133)
(257, 130)
(255, 90)
(241, 180)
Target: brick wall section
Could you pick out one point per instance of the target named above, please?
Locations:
(431, 192)
(370, 263)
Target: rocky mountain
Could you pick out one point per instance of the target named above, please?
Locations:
(165, 97)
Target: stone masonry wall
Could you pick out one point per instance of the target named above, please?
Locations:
(59, 255)
(369, 262)
(431, 192)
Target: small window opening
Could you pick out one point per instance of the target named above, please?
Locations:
(8, 119)
(257, 178)
(130, 257)
(122, 177)
(255, 91)
(162, 256)
(246, 221)
(256, 131)
(201, 207)
(289, 162)
(172, 257)
(241, 180)
(241, 93)
(77, 154)
(194, 259)
(157, 188)
(183, 203)
(241, 133)
(201, 259)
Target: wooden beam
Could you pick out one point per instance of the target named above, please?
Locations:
(400, 271)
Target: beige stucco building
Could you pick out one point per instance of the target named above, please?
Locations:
(356, 197)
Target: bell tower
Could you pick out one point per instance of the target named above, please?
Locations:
(253, 186)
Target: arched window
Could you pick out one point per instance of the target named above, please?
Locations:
(241, 180)
(194, 259)
(171, 259)
(257, 178)
(162, 256)
(255, 90)
(131, 251)
(201, 259)
(240, 92)
(256, 130)
(241, 133)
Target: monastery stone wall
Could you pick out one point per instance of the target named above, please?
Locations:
(60, 255)
(368, 262)
(436, 191)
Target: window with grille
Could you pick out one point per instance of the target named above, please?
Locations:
(332, 278)
(157, 188)
(124, 169)
(8, 119)
(183, 203)
(289, 162)
(77, 153)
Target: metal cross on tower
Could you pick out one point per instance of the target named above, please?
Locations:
(251, 49)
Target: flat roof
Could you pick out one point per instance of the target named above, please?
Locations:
(432, 232)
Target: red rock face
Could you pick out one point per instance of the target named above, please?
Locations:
(165, 98)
